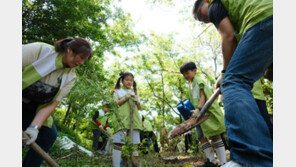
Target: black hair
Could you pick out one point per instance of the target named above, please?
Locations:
(122, 76)
(187, 66)
(78, 46)
(196, 9)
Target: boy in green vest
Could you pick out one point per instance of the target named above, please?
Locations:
(199, 92)
(246, 29)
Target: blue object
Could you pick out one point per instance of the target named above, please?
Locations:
(184, 107)
(247, 132)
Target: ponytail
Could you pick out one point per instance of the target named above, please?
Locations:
(135, 87)
(122, 76)
(117, 86)
(61, 45)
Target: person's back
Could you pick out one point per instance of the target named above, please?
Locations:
(243, 14)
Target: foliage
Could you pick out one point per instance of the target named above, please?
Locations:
(153, 58)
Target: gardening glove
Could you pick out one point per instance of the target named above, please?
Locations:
(127, 96)
(195, 112)
(136, 98)
(32, 133)
(219, 80)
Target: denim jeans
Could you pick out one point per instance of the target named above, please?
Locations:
(45, 140)
(247, 132)
(263, 110)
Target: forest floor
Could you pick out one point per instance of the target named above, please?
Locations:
(76, 158)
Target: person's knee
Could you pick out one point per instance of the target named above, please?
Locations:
(215, 138)
(202, 140)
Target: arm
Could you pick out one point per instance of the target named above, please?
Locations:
(44, 113)
(229, 42)
(121, 101)
(202, 100)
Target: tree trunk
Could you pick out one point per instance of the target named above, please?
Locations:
(67, 114)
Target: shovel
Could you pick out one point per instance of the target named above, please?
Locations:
(42, 153)
(194, 120)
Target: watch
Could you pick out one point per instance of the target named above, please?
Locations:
(199, 108)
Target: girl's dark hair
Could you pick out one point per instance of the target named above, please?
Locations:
(78, 46)
(187, 66)
(122, 76)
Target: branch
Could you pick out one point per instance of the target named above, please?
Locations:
(165, 100)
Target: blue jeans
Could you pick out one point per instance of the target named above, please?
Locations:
(45, 140)
(263, 110)
(247, 132)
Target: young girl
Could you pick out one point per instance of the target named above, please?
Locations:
(122, 95)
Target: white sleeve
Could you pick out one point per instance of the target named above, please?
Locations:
(65, 90)
(30, 53)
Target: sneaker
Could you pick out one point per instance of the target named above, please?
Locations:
(231, 164)
(208, 164)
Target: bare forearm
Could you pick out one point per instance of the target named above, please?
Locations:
(228, 47)
(202, 100)
(44, 113)
(121, 102)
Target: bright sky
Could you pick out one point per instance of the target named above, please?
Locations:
(157, 18)
(154, 18)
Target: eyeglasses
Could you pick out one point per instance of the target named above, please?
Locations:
(199, 16)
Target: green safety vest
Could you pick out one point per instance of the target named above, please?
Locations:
(243, 14)
(39, 69)
(215, 124)
(148, 126)
(123, 113)
(102, 120)
(257, 91)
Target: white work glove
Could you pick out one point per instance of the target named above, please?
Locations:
(136, 98)
(32, 133)
(195, 112)
(127, 96)
(219, 80)
(101, 127)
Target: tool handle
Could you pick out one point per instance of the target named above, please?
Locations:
(42, 153)
(208, 103)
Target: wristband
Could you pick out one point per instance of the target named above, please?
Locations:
(199, 108)
(223, 71)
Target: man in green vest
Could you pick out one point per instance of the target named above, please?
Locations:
(246, 29)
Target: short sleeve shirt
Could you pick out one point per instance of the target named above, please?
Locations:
(217, 12)
(30, 54)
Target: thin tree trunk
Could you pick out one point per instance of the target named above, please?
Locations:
(67, 113)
